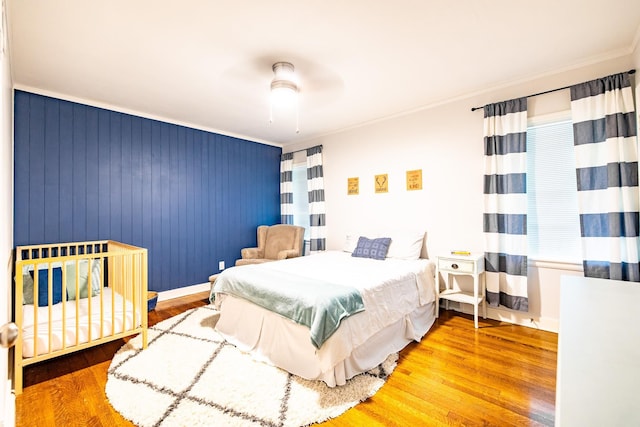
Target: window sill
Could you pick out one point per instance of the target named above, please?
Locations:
(556, 265)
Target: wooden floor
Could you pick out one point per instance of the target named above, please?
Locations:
(497, 375)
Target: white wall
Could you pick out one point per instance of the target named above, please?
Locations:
(446, 143)
(636, 65)
(6, 224)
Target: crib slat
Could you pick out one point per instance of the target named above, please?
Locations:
(125, 290)
(136, 298)
(64, 303)
(123, 286)
(49, 305)
(36, 280)
(89, 289)
(112, 286)
(101, 261)
(77, 301)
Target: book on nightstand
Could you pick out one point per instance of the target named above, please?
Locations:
(460, 253)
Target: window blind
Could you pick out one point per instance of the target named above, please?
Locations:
(553, 222)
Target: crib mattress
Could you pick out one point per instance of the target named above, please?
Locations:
(106, 319)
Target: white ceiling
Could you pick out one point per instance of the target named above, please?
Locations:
(207, 64)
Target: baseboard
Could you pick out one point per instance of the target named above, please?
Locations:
(181, 292)
(517, 318)
(524, 319)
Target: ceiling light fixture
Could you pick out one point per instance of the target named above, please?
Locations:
(284, 89)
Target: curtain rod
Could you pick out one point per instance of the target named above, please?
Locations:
(545, 92)
(304, 149)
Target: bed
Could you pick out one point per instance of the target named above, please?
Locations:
(396, 306)
(71, 296)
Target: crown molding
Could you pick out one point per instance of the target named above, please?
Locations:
(98, 104)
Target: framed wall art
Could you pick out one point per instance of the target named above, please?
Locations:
(414, 180)
(381, 183)
(353, 186)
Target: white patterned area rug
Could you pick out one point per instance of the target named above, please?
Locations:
(190, 376)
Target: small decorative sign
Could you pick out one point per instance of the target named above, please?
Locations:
(414, 180)
(353, 186)
(382, 183)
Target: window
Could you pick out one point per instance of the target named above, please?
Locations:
(553, 222)
(301, 197)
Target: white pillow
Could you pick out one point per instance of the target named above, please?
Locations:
(350, 243)
(405, 244)
(83, 278)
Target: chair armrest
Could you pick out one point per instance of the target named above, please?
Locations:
(251, 253)
(288, 253)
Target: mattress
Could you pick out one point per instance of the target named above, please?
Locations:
(399, 308)
(86, 329)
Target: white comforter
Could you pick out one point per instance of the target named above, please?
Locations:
(395, 294)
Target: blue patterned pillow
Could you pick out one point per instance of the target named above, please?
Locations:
(372, 248)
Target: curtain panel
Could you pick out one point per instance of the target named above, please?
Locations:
(505, 203)
(286, 188)
(606, 147)
(317, 211)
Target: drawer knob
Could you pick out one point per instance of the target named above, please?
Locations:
(454, 266)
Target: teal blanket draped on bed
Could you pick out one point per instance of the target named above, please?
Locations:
(316, 304)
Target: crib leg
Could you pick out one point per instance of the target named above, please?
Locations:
(17, 375)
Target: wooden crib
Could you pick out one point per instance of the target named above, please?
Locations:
(71, 296)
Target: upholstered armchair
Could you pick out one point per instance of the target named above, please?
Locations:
(274, 243)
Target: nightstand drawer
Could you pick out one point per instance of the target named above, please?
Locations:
(456, 265)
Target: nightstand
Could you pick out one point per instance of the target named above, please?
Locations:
(471, 265)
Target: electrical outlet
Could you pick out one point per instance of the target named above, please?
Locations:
(220, 265)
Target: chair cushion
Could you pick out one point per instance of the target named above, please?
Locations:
(279, 239)
(247, 261)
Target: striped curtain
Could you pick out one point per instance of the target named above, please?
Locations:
(605, 143)
(315, 186)
(286, 188)
(505, 203)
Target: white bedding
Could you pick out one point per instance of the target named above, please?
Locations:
(109, 326)
(398, 296)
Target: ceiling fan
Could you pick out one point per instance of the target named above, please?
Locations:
(313, 86)
(284, 90)
(317, 84)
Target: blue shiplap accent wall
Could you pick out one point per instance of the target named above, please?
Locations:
(191, 197)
